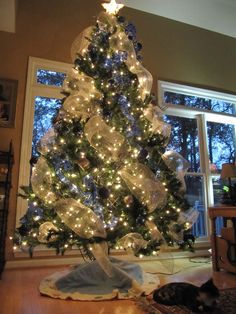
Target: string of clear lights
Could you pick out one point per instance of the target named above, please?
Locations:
(103, 174)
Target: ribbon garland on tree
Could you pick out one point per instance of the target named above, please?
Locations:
(83, 103)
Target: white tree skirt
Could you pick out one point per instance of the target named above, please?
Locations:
(88, 281)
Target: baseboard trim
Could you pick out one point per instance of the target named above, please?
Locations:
(73, 260)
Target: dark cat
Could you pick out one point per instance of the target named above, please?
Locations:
(195, 298)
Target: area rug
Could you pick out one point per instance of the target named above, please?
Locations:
(227, 305)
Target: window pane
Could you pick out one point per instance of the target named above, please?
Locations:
(195, 197)
(218, 186)
(221, 145)
(47, 77)
(45, 109)
(200, 103)
(184, 140)
(221, 190)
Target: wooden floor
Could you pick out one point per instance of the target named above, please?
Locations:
(19, 290)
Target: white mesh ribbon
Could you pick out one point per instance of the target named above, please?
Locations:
(155, 232)
(177, 164)
(154, 115)
(175, 232)
(189, 218)
(44, 230)
(81, 219)
(132, 241)
(100, 252)
(41, 181)
(47, 142)
(143, 184)
(84, 222)
(120, 42)
(80, 44)
(107, 21)
(71, 82)
(103, 138)
(81, 104)
(77, 107)
(77, 82)
(152, 111)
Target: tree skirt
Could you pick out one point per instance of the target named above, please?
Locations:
(227, 304)
(89, 282)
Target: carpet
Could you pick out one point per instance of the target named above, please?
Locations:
(227, 305)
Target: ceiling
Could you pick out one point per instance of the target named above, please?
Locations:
(214, 15)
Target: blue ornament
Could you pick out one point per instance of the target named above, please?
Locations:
(124, 104)
(135, 131)
(121, 80)
(130, 30)
(104, 37)
(108, 63)
(121, 19)
(139, 58)
(139, 46)
(119, 57)
(125, 108)
(123, 100)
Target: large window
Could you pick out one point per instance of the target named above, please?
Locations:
(43, 98)
(203, 132)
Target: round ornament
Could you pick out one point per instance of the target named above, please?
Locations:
(44, 231)
(83, 162)
(143, 154)
(140, 220)
(128, 199)
(103, 193)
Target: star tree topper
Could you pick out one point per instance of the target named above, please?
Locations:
(112, 7)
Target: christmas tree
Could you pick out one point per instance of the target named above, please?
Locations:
(104, 177)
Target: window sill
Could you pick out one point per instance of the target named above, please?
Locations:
(47, 257)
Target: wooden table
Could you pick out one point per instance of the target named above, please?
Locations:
(221, 246)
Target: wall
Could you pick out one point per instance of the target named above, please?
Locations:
(172, 51)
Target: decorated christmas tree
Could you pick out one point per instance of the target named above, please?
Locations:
(104, 178)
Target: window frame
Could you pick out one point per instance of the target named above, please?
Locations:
(202, 116)
(34, 89)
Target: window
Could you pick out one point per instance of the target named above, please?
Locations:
(47, 77)
(203, 132)
(201, 103)
(45, 109)
(43, 98)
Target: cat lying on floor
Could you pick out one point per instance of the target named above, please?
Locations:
(195, 298)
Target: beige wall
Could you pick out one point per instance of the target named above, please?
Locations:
(172, 51)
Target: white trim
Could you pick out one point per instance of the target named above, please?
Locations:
(76, 258)
(193, 112)
(164, 86)
(34, 89)
(202, 116)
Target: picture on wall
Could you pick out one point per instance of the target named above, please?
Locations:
(8, 92)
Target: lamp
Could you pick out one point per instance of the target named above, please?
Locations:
(228, 172)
